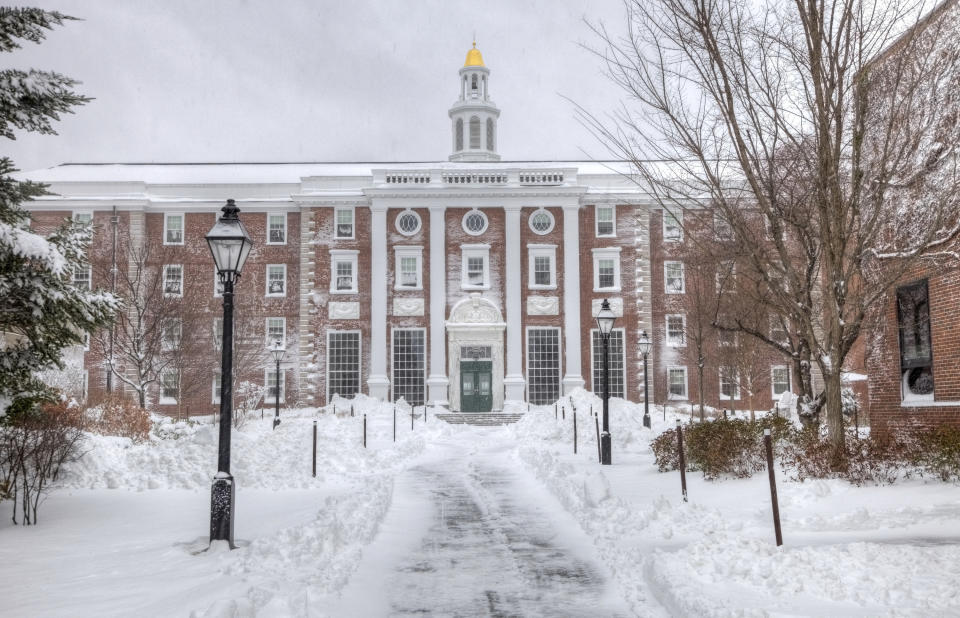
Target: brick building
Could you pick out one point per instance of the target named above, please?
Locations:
(463, 283)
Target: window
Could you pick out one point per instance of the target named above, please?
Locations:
(541, 221)
(171, 330)
(721, 227)
(169, 387)
(726, 276)
(276, 279)
(409, 268)
(217, 284)
(343, 363)
(82, 277)
(676, 331)
(615, 359)
(729, 384)
(215, 395)
(217, 330)
(916, 355)
(86, 385)
(343, 225)
(672, 226)
(408, 223)
(409, 365)
(476, 267)
(172, 229)
(475, 222)
(542, 265)
(459, 131)
(173, 280)
(474, 127)
(779, 380)
(606, 221)
(543, 365)
(490, 134)
(673, 278)
(778, 331)
(677, 382)
(606, 269)
(727, 339)
(473, 83)
(275, 388)
(83, 216)
(86, 342)
(276, 331)
(343, 271)
(277, 229)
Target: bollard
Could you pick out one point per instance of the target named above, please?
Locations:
(856, 422)
(574, 432)
(424, 414)
(314, 449)
(768, 442)
(394, 422)
(556, 414)
(683, 466)
(351, 410)
(411, 418)
(596, 423)
(364, 430)
(563, 413)
(724, 414)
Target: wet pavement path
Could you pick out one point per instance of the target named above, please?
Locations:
(481, 538)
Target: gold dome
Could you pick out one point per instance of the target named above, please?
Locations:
(474, 59)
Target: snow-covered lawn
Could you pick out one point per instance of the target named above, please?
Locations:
(468, 521)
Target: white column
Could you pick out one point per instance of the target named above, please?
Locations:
(437, 383)
(378, 383)
(513, 382)
(571, 297)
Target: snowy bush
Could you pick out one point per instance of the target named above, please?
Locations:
(117, 415)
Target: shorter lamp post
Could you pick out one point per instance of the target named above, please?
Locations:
(277, 351)
(605, 320)
(644, 344)
(230, 245)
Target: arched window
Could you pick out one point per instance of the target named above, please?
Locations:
(474, 133)
(490, 134)
(473, 82)
(459, 132)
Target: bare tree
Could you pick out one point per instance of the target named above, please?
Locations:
(790, 123)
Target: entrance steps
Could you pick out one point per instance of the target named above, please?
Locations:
(480, 419)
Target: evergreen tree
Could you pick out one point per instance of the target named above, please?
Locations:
(41, 311)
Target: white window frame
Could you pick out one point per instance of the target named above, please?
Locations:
(393, 359)
(277, 214)
(731, 279)
(404, 213)
(736, 384)
(596, 220)
(166, 294)
(161, 399)
(266, 331)
(775, 327)
(359, 357)
(473, 251)
(678, 218)
(666, 278)
(721, 224)
(183, 227)
(81, 213)
(403, 251)
(559, 356)
(86, 342)
(344, 255)
(683, 330)
(603, 253)
(216, 284)
(773, 390)
(282, 381)
(471, 212)
(353, 223)
(267, 281)
(549, 252)
(686, 383)
(165, 344)
(89, 286)
(215, 387)
(86, 385)
(541, 211)
(598, 388)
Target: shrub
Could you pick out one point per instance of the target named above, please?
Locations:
(117, 415)
(665, 451)
(937, 452)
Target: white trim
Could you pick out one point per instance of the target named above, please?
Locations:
(486, 222)
(182, 282)
(683, 330)
(686, 383)
(216, 283)
(168, 401)
(548, 251)
(559, 357)
(773, 392)
(267, 281)
(89, 278)
(719, 223)
(678, 217)
(86, 385)
(393, 364)
(183, 227)
(277, 214)
(407, 251)
(468, 251)
(606, 253)
(344, 255)
(553, 221)
(73, 214)
(596, 220)
(353, 223)
(595, 387)
(736, 385)
(282, 383)
(683, 278)
(408, 211)
(170, 346)
(266, 330)
(359, 359)
(215, 394)
(929, 404)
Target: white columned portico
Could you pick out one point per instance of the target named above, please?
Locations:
(513, 382)
(438, 384)
(572, 379)
(378, 383)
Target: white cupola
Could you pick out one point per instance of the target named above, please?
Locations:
(474, 116)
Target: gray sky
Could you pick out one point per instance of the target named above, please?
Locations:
(300, 80)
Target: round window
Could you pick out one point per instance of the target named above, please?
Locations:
(541, 221)
(475, 223)
(408, 223)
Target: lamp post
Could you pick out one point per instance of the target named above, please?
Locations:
(605, 320)
(644, 344)
(277, 351)
(230, 245)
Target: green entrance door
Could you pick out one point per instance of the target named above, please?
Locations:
(476, 391)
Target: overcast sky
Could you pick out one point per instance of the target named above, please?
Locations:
(301, 80)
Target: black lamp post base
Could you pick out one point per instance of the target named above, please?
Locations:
(646, 421)
(605, 448)
(222, 503)
(276, 421)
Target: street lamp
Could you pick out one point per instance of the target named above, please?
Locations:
(277, 351)
(230, 245)
(644, 344)
(605, 320)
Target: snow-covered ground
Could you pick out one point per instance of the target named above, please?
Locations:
(454, 520)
